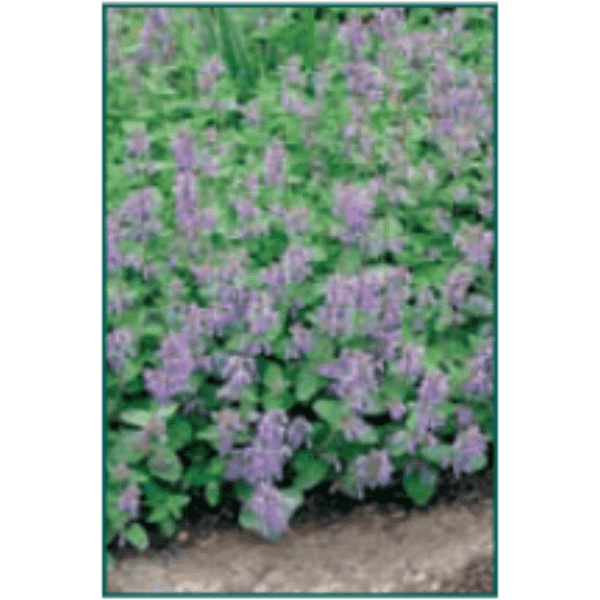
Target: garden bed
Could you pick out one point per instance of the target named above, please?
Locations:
(300, 316)
(382, 545)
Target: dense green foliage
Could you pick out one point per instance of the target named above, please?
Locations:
(300, 256)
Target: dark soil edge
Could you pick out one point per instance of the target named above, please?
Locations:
(323, 509)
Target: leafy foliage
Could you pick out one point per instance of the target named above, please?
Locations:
(300, 257)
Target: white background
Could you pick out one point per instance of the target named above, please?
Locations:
(51, 199)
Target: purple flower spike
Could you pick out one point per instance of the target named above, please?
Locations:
(465, 416)
(136, 215)
(239, 372)
(229, 425)
(298, 432)
(356, 375)
(481, 377)
(138, 144)
(184, 151)
(428, 419)
(269, 504)
(119, 346)
(122, 472)
(411, 363)
(253, 186)
(301, 343)
(476, 244)
(260, 314)
(159, 17)
(468, 446)
(113, 235)
(163, 386)
(434, 388)
(397, 410)
(207, 77)
(355, 429)
(129, 501)
(458, 282)
(295, 263)
(176, 356)
(354, 33)
(272, 428)
(274, 164)
(372, 470)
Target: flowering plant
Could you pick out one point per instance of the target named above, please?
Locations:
(300, 284)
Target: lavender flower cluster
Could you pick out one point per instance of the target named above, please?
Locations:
(260, 463)
(155, 41)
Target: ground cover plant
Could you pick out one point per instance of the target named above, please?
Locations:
(299, 256)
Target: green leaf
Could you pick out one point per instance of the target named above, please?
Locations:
(213, 493)
(164, 464)
(312, 473)
(411, 421)
(176, 503)
(127, 448)
(136, 535)
(156, 494)
(274, 378)
(433, 357)
(130, 370)
(136, 417)
(138, 476)
(477, 464)
(130, 127)
(319, 254)
(142, 417)
(250, 397)
(248, 519)
(168, 527)
(242, 491)
(211, 435)
(195, 476)
(437, 454)
(216, 467)
(446, 410)
(271, 401)
(397, 445)
(420, 489)
(293, 498)
(350, 260)
(234, 49)
(154, 330)
(308, 384)
(179, 434)
(370, 437)
(323, 350)
(331, 411)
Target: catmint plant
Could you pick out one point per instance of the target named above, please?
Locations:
(298, 432)
(229, 425)
(476, 243)
(372, 470)
(119, 347)
(411, 363)
(275, 164)
(129, 501)
(271, 507)
(341, 320)
(468, 446)
(239, 372)
(302, 342)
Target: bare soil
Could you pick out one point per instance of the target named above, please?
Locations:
(384, 545)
